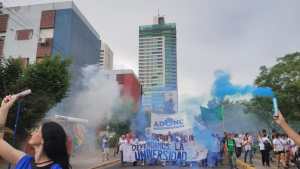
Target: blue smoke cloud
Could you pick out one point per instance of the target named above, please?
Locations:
(140, 122)
(223, 87)
(206, 135)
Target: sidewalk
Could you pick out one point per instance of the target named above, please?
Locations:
(257, 164)
(90, 160)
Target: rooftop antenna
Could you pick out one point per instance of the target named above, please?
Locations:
(158, 12)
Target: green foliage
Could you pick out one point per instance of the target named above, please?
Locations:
(262, 107)
(123, 113)
(120, 127)
(48, 80)
(10, 73)
(50, 76)
(284, 79)
(113, 141)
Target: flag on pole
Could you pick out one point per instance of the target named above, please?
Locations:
(212, 115)
(220, 112)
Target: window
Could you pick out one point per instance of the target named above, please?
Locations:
(46, 33)
(44, 47)
(24, 34)
(3, 22)
(47, 19)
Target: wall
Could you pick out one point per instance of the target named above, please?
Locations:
(130, 87)
(29, 17)
(20, 18)
(74, 39)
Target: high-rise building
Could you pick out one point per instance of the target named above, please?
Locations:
(106, 56)
(158, 62)
(35, 32)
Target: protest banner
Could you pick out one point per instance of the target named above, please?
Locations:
(165, 123)
(163, 151)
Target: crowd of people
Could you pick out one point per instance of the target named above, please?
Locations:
(275, 147)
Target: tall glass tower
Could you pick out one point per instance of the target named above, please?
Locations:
(158, 65)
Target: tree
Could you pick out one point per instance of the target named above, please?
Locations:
(10, 73)
(284, 79)
(48, 80)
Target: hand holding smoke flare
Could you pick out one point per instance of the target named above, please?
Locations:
(19, 95)
(23, 93)
(71, 119)
(275, 108)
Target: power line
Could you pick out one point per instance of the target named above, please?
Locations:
(20, 18)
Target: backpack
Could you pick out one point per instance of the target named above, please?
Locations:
(268, 146)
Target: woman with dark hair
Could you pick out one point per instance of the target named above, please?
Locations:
(48, 140)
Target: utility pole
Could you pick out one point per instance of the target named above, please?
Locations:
(1, 7)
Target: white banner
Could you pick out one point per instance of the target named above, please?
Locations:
(173, 151)
(165, 123)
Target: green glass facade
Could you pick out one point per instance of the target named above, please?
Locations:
(158, 66)
(168, 31)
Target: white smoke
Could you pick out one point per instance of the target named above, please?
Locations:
(92, 96)
(100, 91)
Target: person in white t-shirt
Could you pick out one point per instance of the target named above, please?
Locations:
(278, 149)
(122, 142)
(264, 147)
(287, 144)
(105, 148)
(238, 143)
(247, 144)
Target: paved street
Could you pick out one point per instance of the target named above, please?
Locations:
(119, 166)
(130, 166)
(89, 159)
(257, 165)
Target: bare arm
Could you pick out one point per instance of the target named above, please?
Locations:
(288, 130)
(8, 152)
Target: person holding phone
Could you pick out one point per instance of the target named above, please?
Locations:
(48, 140)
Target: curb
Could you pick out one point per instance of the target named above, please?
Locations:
(106, 164)
(242, 165)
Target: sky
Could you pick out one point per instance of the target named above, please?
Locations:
(234, 35)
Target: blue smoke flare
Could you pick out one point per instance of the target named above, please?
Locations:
(223, 87)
